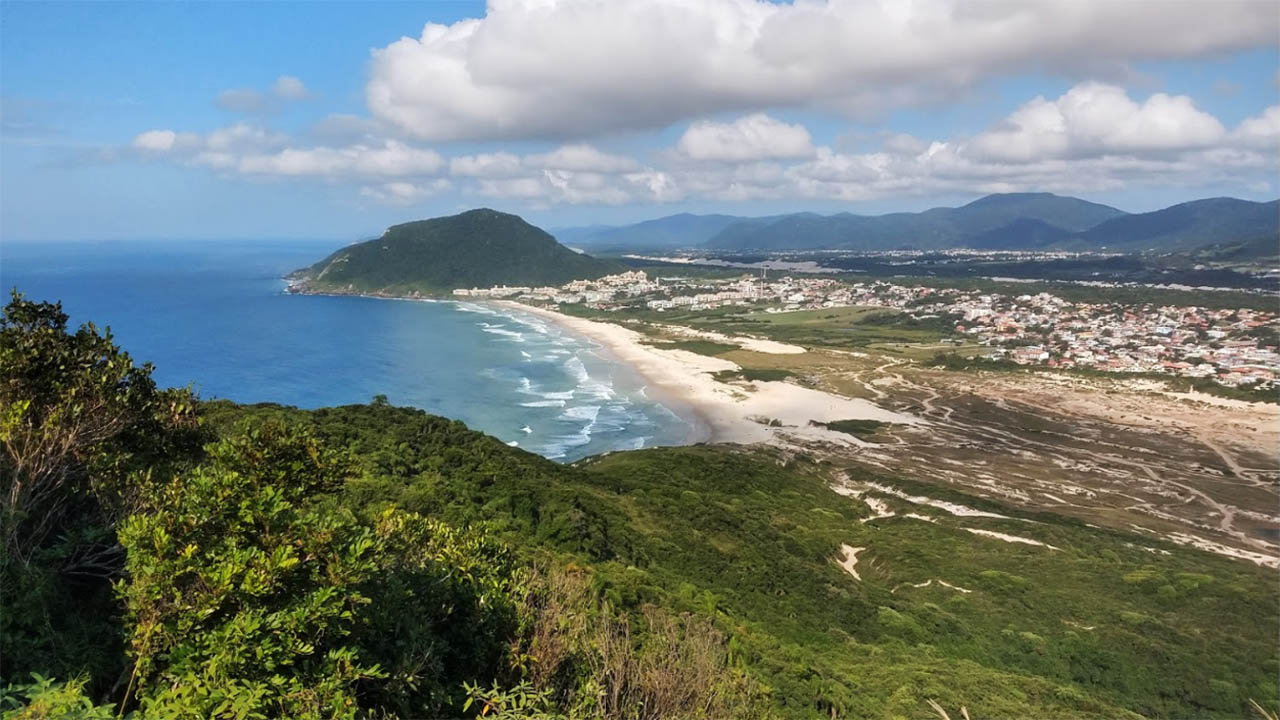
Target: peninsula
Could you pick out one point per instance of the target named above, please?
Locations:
(477, 248)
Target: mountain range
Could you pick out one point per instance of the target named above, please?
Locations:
(1013, 221)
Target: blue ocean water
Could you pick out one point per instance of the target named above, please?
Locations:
(215, 315)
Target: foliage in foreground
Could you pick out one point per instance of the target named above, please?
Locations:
(378, 561)
(249, 583)
(82, 430)
(247, 596)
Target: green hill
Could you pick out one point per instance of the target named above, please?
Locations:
(478, 248)
(1188, 226)
(1021, 234)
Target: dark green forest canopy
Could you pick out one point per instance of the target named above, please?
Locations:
(478, 248)
(752, 538)
(371, 559)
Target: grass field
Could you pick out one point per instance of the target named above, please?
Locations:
(843, 327)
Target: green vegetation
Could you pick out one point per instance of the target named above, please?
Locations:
(754, 375)
(1188, 225)
(478, 248)
(883, 329)
(701, 347)
(375, 561)
(858, 428)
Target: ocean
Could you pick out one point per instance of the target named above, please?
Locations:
(215, 315)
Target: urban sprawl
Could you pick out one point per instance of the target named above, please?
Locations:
(1235, 347)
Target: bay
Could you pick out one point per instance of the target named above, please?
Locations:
(214, 314)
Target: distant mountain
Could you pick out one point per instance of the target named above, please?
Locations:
(478, 248)
(1188, 226)
(674, 231)
(1021, 234)
(932, 229)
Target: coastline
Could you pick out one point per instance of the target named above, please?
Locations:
(737, 413)
(682, 382)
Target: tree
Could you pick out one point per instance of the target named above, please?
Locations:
(77, 418)
(251, 594)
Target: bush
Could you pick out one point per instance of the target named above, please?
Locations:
(248, 597)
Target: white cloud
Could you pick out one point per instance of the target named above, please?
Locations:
(556, 187)
(233, 139)
(576, 68)
(156, 140)
(286, 89)
(1096, 119)
(752, 137)
(1261, 130)
(582, 158)
(390, 159)
(1092, 138)
(241, 138)
(491, 165)
(251, 150)
(404, 193)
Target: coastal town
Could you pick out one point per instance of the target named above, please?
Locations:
(1234, 347)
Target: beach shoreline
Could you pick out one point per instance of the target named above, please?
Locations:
(743, 413)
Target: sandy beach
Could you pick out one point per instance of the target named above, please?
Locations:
(730, 413)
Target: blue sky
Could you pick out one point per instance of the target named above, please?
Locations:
(336, 119)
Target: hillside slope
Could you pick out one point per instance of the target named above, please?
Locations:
(673, 231)
(931, 229)
(1188, 225)
(1096, 623)
(478, 248)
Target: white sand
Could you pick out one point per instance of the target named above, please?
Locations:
(1009, 538)
(953, 508)
(850, 561)
(1269, 561)
(724, 413)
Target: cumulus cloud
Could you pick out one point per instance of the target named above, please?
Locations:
(1096, 119)
(237, 138)
(568, 187)
(404, 193)
(286, 89)
(488, 165)
(752, 137)
(251, 150)
(1261, 130)
(1092, 138)
(390, 159)
(156, 140)
(571, 174)
(582, 158)
(575, 68)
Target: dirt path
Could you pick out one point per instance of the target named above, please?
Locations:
(850, 561)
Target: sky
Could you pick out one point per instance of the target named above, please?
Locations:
(335, 120)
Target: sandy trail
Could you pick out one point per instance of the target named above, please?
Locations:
(850, 561)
